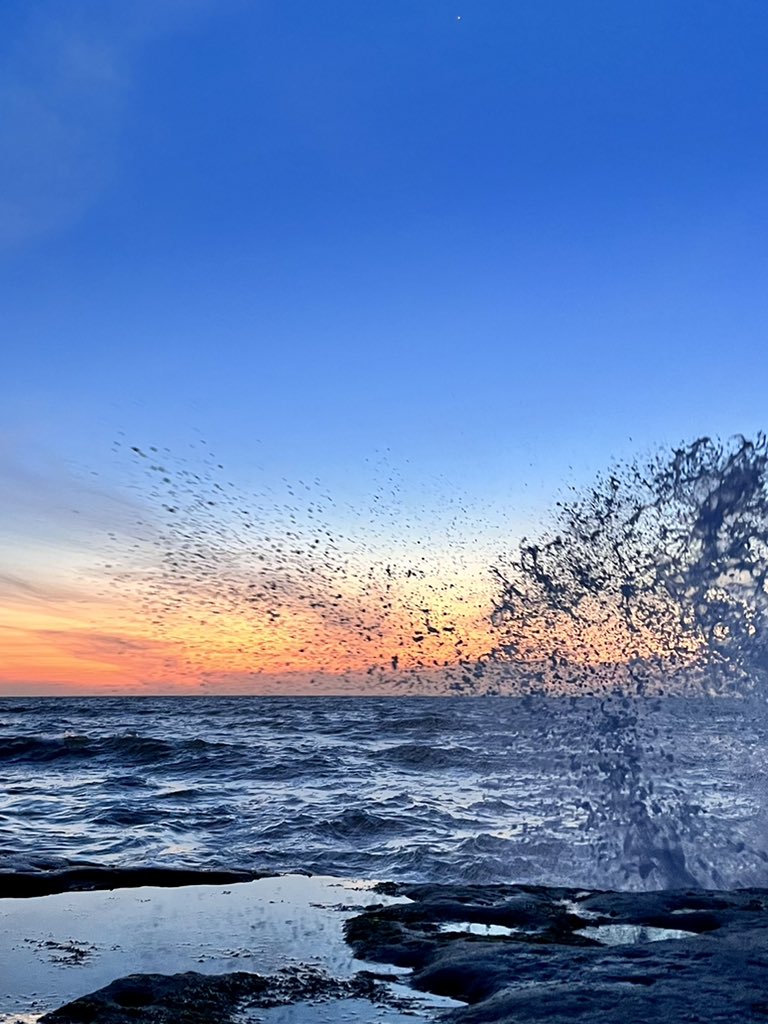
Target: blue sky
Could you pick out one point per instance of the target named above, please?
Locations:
(493, 243)
(481, 235)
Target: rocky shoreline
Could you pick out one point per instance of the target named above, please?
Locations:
(503, 953)
(194, 998)
(524, 953)
(30, 880)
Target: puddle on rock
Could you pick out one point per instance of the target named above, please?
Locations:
(630, 934)
(474, 928)
(56, 948)
(414, 1006)
(575, 908)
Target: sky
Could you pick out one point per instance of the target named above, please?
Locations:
(409, 269)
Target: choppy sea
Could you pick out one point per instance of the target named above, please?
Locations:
(536, 790)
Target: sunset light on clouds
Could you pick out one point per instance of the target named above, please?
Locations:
(180, 582)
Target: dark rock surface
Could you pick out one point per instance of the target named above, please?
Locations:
(44, 879)
(558, 962)
(513, 954)
(193, 998)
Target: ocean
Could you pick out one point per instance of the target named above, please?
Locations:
(571, 791)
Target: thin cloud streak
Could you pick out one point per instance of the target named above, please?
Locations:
(25, 591)
(63, 91)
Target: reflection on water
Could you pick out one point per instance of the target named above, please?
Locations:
(257, 926)
(475, 928)
(627, 934)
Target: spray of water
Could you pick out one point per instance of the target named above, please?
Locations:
(660, 566)
(649, 586)
(289, 583)
(647, 590)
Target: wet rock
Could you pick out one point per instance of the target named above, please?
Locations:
(562, 955)
(30, 880)
(193, 998)
(190, 998)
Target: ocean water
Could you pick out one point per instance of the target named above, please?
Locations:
(575, 791)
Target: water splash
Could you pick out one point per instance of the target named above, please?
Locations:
(660, 566)
(250, 586)
(649, 585)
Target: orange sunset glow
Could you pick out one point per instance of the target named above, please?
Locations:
(181, 580)
(115, 643)
(118, 641)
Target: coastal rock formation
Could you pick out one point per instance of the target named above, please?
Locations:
(521, 953)
(512, 954)
(193, 998)
(44, 877)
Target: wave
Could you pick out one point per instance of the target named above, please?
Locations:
(130, 748)
(358, 825)
(424, 756)
(288, 767)
(158, 781)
